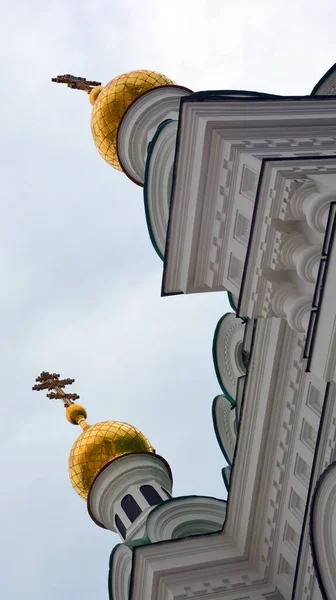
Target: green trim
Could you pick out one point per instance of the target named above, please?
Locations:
(132, 544)
(109, 583)
(214, 420)
(231, 302)
(145, 191)
(215, 362)
(236, 410)
(226, 482)
(323, 79)
(243, 93)
(145, 541)
(234, 307)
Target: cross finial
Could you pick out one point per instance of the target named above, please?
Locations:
(55, 385)
(76, 83)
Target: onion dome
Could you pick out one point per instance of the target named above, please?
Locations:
(110, 104)
(99, 444)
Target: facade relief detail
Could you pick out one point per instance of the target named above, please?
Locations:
(290, 236)
(288, 304)
(306, 203)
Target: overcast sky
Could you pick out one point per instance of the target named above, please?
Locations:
(80, 279)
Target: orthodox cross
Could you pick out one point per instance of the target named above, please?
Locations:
(55, 385)
(76, 83)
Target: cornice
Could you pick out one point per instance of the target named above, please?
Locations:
(230, 549)
(214, 139)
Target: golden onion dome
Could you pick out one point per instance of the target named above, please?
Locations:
(110, 104)
(97, 446)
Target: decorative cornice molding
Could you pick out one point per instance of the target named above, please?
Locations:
(227, 352)
(209, 163)
(185, 516)
(157, 183)
(224, 420)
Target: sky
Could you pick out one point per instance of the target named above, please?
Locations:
(80, 280)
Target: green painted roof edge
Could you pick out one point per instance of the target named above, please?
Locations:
(214, 420)
(243, 93)
(322, 80)
(231, 302)
(144, 541)
(145, 191)
(226, 483)
(215, 362)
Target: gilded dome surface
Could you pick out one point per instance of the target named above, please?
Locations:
(111, 103)
(97, 446)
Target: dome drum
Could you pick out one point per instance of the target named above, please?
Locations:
(126, 490)
(140, 124)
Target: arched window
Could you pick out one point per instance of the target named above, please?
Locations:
(131, 507)
(120, 526)
(166, 492)
(150, 494)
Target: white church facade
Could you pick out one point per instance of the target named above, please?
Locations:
(240, 197)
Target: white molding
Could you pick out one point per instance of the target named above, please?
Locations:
(280, 200)
(224, 416)
(216, 141)
(197, 514)
(230, 549)
(157, 190)
(139, 124)
(227, 352)
(257, 549)
(221, 146)
(120, 572)
(307, 588)
(322, 353)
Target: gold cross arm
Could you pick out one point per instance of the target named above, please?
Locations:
(55, 385)
(76, 83)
